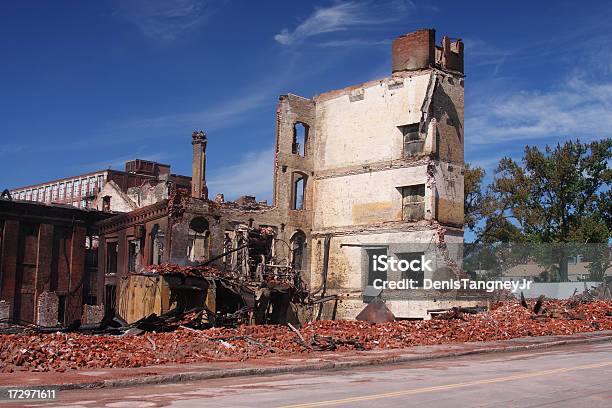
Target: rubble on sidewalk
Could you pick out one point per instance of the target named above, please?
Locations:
(63, 351)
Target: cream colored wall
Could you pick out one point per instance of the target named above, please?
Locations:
(119, 201)
(346, 266)
(365, 131)
(365, 198)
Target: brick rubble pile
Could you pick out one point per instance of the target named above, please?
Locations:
(64, 351)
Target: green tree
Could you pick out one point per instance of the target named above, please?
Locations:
(554, 196)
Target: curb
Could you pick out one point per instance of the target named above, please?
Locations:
(339, 365)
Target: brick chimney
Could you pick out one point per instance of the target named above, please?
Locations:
(414, 51)
(198, 165)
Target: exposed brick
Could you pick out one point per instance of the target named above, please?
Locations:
(47, 309)
(414, 51)
(92, 314)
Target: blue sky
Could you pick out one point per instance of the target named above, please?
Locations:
(87, 85)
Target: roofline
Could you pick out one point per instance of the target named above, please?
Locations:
(63, 179)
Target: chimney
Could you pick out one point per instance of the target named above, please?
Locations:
(413, 51)
(198, 165)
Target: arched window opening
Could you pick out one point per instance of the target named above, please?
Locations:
(199, 240)
(298, 250)
(300, 138)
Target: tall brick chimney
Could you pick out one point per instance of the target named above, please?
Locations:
(198, 165)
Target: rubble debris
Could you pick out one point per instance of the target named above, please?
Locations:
(523, 301)
(30, 351)
(376, 312)
(455, 312)
(537, 308)
(600, 292)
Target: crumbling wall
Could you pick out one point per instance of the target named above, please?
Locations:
(448, 181)
(289, 163)
(366, 198)
(118, 200)
(361, 125)
(47, 309)
(92, 314)
(149, 193)
(5, 311)
(348, 269)
(447, 107)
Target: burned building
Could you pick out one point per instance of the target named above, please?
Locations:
(48, 263)
(358, 171)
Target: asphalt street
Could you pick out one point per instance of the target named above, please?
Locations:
(568, 376)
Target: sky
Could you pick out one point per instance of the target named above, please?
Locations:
(87, 85)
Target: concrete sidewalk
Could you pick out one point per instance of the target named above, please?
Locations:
(174, 373)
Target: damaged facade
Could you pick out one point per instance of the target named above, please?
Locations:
(358, 171)
(48, 263)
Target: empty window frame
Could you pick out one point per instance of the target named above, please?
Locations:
(100, 182)
(157, 245)
(298, 247)
(76, 188)
(28, 195)
(133, 250)
(413, 142)
(413, 202)
(378, 273)
(35, 195)
(92, 185)
(48, 194)
(198, 245)
(68, 189)
(111, 258)
(416, 276)
(83, 187)
(62, 191)
(300, 138)
(299, 190)
(106, 203)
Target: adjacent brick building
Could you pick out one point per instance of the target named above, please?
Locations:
(48, 261)
(81, 190)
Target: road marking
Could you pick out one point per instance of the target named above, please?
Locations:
(447, 386)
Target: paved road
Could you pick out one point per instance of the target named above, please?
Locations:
(570, 376)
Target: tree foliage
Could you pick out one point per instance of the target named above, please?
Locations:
(557, 195)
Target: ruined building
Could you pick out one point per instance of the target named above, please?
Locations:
(358, 171)
(48, 263)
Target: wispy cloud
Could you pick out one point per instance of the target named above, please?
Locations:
(342, 16)
(251, 176)
(353, 43)
(213, 117)
(578, 108)
(8, 149)
(481, 53)
(164, 19)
